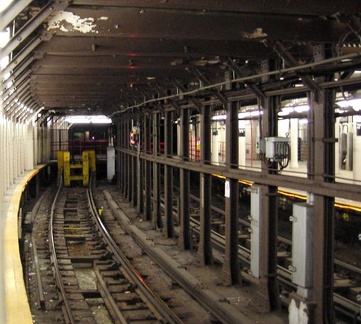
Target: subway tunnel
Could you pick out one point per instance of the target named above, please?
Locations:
(254, 103)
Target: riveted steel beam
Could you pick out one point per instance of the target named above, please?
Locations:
(322, 121)
(291, 61)
(355, 26)
(184, 180)
(202, 78)
(11, 12)
(16, 93)
(230, 268)
(30, 27)
(180, 86)
(204, 253)
(163, 92)
(15, 83)
(233, 66)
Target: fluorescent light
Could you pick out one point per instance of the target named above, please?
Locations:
(354, 103)
(91, 119)
(302, 108)
(219, 117)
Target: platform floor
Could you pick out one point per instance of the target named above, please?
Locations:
(14, 306)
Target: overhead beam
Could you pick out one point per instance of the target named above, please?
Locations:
(15, 83)
(183, 89)
(340, 190)
(233, 66)
(292, 62)
(202, 78)
(21, 58)
(30, 26)
(11, 12)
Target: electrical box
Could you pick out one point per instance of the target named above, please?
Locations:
(277, 148)
(256, 214)
(302, 245)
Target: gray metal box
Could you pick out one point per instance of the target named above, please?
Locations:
(302, 245)
(256, 210)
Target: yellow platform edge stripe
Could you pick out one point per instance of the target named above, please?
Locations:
(17, 304)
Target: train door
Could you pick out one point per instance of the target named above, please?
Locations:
(345, 146)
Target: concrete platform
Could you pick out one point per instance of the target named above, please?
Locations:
(14, 306)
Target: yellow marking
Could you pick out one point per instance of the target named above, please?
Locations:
(294, 195)
(17, 305)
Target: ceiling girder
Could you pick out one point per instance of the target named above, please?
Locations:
(202, 78)
(292, 62)
(17, 92)
(11, 12)
(233, 66)
(21, 61)
(183, 89)
(355, 26)
(30, 26)
(15, 83)
(164, 93)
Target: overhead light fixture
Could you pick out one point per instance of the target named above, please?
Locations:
(355, 104)
(219, 117)
(91, 119)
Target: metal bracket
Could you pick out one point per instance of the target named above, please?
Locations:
(292, 268)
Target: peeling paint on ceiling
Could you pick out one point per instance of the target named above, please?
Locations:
(68, 22)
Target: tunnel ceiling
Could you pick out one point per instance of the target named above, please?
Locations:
(72, 57)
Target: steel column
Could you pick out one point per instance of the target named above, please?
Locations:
(157, 222)
(184, 218)
(139, 168)
(323, 165)
(119, 154)
(168, 228)
(128, 170)
(147, 171)
(230, 265)
(204, 255)
(267, 292)
(133, 181)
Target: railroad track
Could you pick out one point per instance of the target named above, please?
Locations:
(95, 282)
(103, 260)
(347, 277)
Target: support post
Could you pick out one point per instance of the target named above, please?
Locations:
(323, 165)
(168, 228)
(184, 218)
(204, 254)
(157, 222)
(267, 289)
(147, 171)
(230, 266)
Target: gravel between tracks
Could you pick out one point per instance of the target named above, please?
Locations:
(241, 296)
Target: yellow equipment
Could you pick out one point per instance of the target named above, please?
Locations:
(79, 171)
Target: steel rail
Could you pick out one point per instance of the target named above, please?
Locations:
(284, 275)
(54, 259)
(209, 299)
(157, 303)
